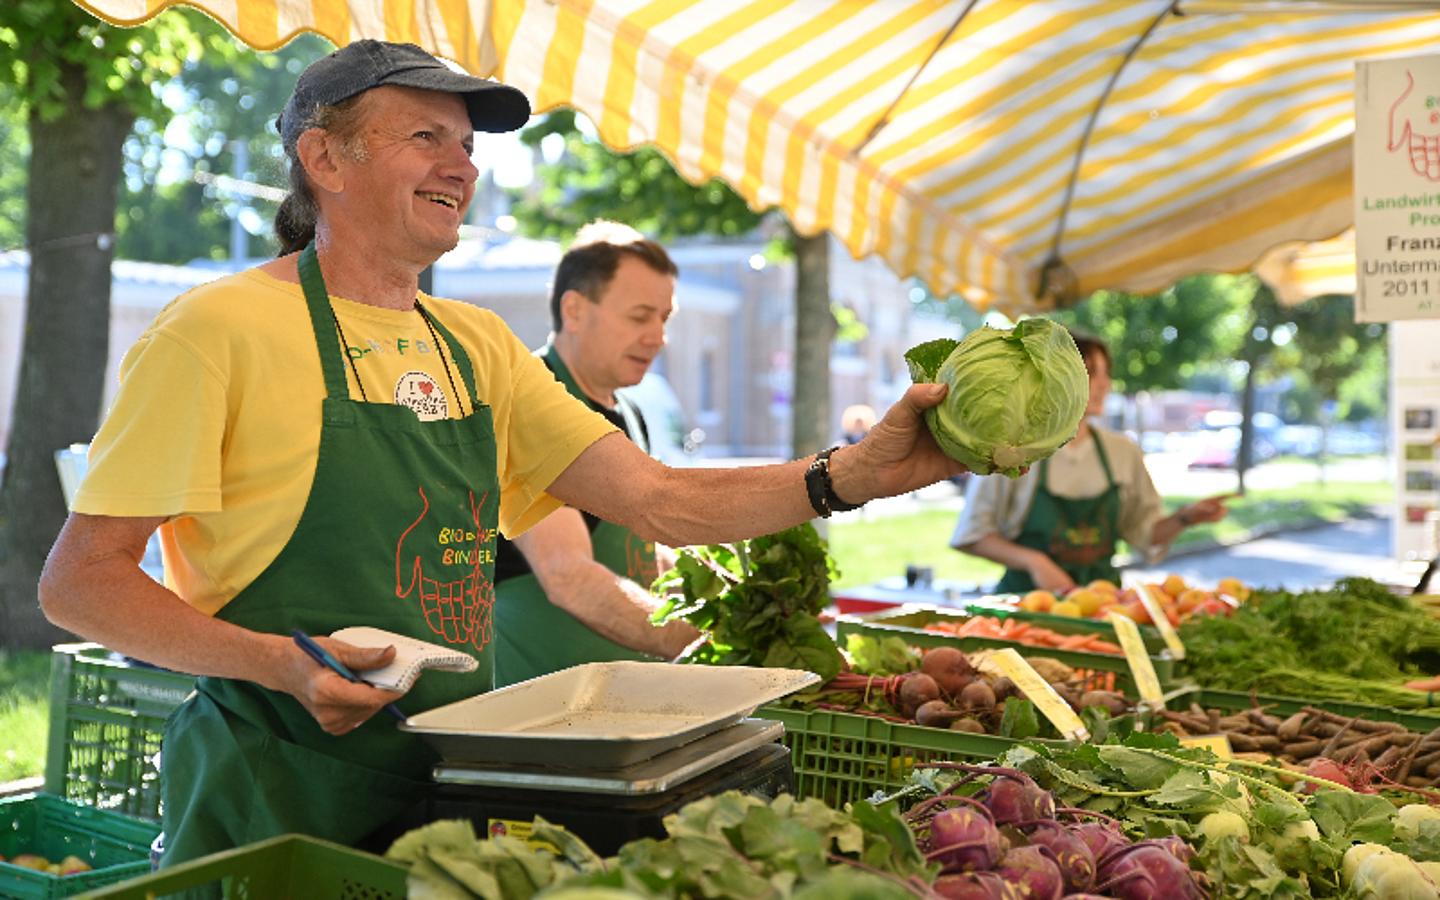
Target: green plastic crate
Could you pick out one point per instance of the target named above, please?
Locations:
(1235, 701)
(841, 757)
(1063, 624)
(107, 719)
(117, 847)
(288, 867)
(1097, 671)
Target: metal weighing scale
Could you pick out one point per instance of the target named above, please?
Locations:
(610, 807)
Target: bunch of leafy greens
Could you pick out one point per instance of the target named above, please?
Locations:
(756, 601)
(448, 861)
(889, 655)
(1283, 846)
(1355, 641)
(729, 845)
(1016, 396)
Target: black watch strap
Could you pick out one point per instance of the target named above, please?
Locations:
(821, 489)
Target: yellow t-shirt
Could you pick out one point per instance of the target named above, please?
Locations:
(217, 420)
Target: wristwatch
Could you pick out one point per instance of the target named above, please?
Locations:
(821, 489)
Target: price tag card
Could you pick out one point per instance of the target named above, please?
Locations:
(1217, 744)
(1146, 681)
(1038, 691)
(1162, 622)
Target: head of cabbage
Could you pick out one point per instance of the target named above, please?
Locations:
(1016, 395)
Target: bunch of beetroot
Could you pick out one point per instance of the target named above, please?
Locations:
(1008, 842)
(947, 692)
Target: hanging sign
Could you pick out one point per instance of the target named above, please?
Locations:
(1397, 189)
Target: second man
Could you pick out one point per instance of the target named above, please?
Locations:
(575, 589)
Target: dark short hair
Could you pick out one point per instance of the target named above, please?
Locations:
(590, 263)
(1091, 346)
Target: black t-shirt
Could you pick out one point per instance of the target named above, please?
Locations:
(509, 561)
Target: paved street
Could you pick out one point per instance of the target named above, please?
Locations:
(1294, 560)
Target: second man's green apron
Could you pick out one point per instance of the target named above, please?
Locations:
(539, 637)
(397, 533)
(1078, 533)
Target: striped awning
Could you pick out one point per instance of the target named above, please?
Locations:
(1017, 152)
(1297, 271)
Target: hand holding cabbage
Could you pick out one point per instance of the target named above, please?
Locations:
(1016, 396)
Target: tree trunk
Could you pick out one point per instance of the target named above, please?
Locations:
(74, 175)
(811, 427)
(1247, 430)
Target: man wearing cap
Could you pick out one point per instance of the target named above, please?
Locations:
(574, 589)
(320, 446)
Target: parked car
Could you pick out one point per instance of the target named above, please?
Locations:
(1218, 449)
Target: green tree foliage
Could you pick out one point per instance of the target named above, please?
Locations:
(1158, 342)
(219, 99)
(14, 155)
(80, 84)
(641, 189)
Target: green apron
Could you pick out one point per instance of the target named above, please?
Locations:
(397, 533)
(1079, 534)
(536, 636)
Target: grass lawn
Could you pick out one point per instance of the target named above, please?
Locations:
(868, 550)
(24, 711)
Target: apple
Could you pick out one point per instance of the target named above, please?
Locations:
(1191, 599)
(1103, 586)
(1088, 600)
(31, 861)
(74, 865)
(1037, 601)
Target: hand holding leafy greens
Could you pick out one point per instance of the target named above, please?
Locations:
(757, 601)
(1015, 396)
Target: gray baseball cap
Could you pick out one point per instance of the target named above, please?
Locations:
(358, 67)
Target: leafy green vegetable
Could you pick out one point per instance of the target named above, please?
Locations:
(756, 601)
(1292, 845)
(880, 656)
(1356, 642)
(448, 862)
(1018, 720)
(1016, 396)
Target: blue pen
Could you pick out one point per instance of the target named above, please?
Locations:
(323, 657)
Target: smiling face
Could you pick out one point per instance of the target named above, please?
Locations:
(406, 193)
(611, 341)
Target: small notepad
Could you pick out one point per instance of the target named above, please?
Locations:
(411, 656)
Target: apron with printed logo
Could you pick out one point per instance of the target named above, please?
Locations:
(397, 533)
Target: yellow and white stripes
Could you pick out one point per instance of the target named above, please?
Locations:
(943, 134)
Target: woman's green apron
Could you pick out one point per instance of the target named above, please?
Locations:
(1079, 534)
(397, 533)
(538, 637)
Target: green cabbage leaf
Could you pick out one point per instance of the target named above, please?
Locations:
(1016, 395)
